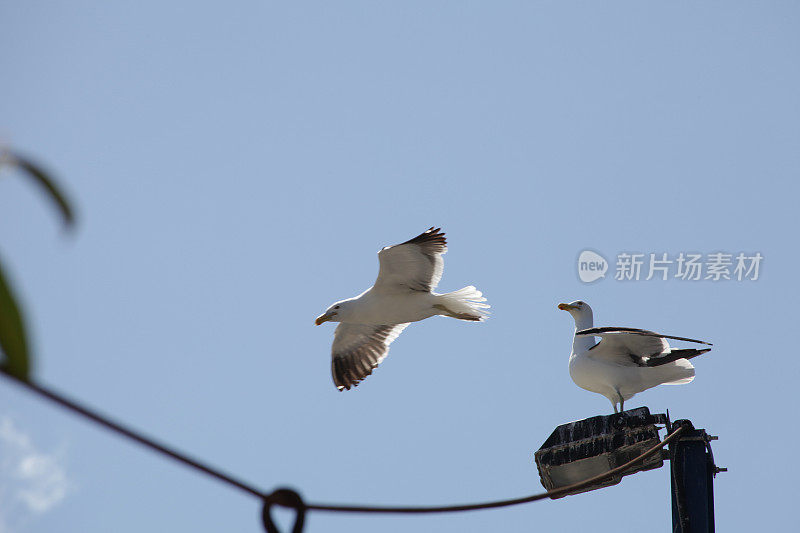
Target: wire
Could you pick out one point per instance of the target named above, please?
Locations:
(290, 499)
(149, 442)
(562, 491)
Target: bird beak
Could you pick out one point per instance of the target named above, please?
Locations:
(324, 318)
(565, 307)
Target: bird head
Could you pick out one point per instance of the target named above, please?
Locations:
(577, 308)
(335, 313)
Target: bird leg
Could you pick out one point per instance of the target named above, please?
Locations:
(453, 314)
(621, 402)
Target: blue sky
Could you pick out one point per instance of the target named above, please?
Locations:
(235, 169)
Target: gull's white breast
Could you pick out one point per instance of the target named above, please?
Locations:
(606, 378)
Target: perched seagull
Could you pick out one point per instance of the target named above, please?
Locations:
(403, 293)
(626, 360)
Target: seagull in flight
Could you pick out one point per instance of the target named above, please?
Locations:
(403, 293)
(626, 360)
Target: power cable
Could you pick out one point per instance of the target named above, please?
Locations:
(286, 497)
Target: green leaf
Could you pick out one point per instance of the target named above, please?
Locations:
(13, 342)
(44, 180)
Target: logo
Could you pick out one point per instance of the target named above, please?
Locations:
(591, 266)
(685, 266)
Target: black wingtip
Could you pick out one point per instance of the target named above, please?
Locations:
(346, 375)
(432, 235)
(675, 355)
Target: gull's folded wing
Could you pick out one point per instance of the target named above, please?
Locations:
(636, 347)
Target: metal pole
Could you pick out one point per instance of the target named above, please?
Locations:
(692, 467)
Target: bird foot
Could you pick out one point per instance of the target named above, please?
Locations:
(453, 314)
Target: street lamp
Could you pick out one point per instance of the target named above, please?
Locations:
(586, 448)
(580, 450)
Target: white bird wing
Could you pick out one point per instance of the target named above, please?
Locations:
(415, 265)
(358, 348)
(636, 347)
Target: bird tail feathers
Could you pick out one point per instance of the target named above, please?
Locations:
(464, 304)
(678, 372)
